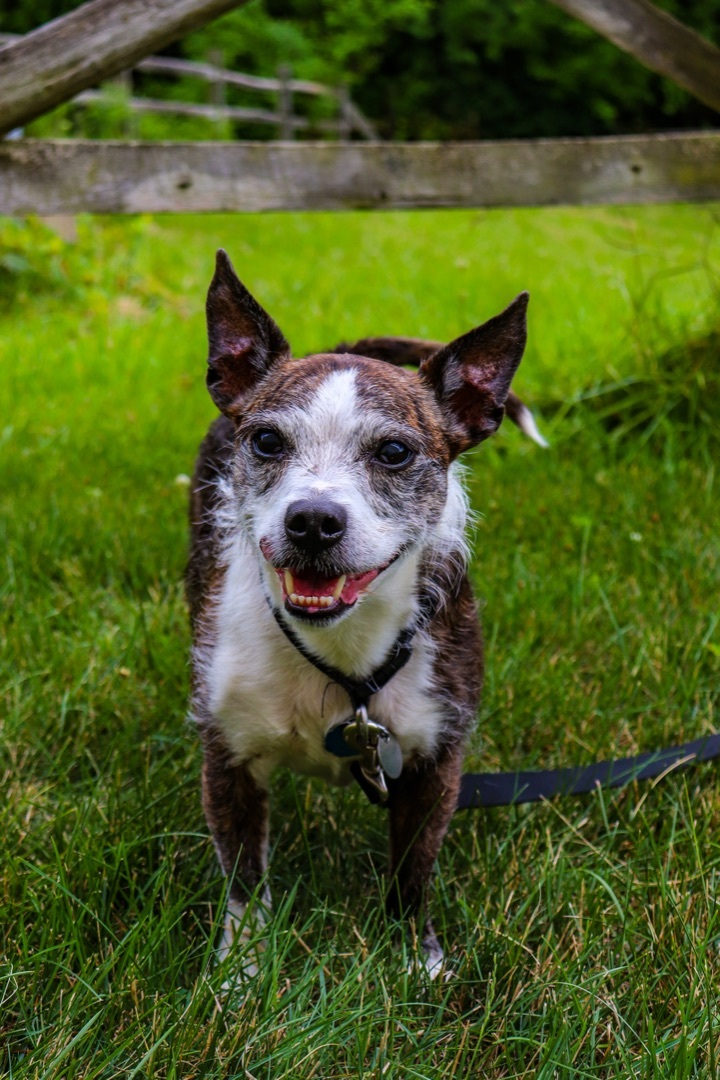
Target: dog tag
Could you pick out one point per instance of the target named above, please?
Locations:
(390, 755)
(363, 738)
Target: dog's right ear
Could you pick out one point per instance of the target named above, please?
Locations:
(244, 341)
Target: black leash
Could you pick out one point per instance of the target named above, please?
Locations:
(512, 788)
(509, 788)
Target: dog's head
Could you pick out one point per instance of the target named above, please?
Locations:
(342, 464)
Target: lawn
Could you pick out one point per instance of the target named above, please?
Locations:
(583, 934)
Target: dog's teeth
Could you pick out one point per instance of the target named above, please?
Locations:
(339, 587)
(311, 601)
(289, 583)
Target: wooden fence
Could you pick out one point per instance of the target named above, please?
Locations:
(349, 118)
(57, 176)
(66, 177)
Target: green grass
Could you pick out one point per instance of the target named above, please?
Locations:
(584, 934)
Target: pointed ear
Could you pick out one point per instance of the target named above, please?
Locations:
(471, 376)
(244, 341)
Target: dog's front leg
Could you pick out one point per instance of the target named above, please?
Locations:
(422, 803)
(236, 809)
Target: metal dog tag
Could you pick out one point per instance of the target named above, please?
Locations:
(390, 755)
(365, 739)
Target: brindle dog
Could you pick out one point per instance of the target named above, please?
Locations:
(328, 549)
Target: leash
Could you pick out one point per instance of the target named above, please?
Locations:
(376, 753)
(511, 788)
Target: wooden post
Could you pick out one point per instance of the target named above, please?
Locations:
(657, 40)
(344, 118)
(124, 81)
(286, 128)
(90, 44)
(217, 92)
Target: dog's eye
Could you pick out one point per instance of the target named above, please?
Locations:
(394, 454)
(267, 444)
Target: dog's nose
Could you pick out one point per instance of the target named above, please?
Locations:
(314, 525)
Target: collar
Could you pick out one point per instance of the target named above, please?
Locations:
(358, 690)
(374, 748)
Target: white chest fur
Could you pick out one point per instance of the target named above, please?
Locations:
(274, 708)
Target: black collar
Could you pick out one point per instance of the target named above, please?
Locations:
(361, 690)
(369, 775)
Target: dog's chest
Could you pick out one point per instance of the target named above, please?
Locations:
(273, 708)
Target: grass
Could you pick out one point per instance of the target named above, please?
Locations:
(584, 934)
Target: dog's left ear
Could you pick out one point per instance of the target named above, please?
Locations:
(244, 341)
(471, 376)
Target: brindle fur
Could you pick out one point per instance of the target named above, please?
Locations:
(236, 809)
(412, 352)
(424, 797)
(213, 462)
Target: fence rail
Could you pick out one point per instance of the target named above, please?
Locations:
(350, 118)
(169, 65)
(217, 113)
(67, 176)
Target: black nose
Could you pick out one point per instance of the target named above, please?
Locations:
(314, 525)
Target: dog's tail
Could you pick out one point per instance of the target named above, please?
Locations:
(523, 417)
(410, 352)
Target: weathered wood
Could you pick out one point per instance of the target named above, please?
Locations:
(343, 112)
(213, 113)
(183, 108)
(358, 121)
(92, 43)
(286, 129)
(169, 65)
(60, 176)
(172, 65)
(219, 77)
(217, 88)
(657, 40)
(124, 83)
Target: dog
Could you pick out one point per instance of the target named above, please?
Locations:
(334, 628)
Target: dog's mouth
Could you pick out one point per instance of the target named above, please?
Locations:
(313, 596)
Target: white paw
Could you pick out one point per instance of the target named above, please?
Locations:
(241, 945)
(431, 963)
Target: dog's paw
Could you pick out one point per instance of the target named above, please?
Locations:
(430, 963)
(240, 974)
(241, 946)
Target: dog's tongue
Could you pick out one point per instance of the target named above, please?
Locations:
(315, 585)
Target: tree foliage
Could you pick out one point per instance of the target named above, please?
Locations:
(448, 69)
